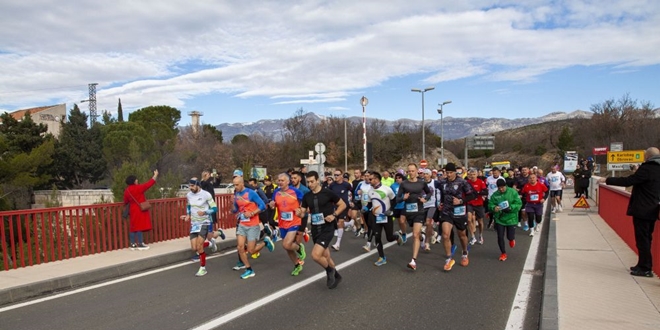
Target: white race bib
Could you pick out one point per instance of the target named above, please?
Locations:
(381, 218)
(411, 207)
(534, 197)
(195, 227)
(459, 210)
(365, 197)
(287, 216)
(504, 205)
(318, 219)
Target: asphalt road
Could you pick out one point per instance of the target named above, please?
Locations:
(479, 296)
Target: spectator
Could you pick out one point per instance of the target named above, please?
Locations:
(139, 219)
(643, 207)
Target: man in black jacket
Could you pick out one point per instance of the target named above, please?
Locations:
(643, 207)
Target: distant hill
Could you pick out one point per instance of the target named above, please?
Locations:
(454, 128)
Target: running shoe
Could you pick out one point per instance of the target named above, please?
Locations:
(247, 274)
(214, 247)
(473, 240)
(412, 265)
(436, 238)
(239, 265)
(381, 261)
(405, 238)
(503, 257)
(559, 208)
(464, 260)
(335, 247)
(531, 233)
(269, 244)
(195, 258)
(201, 271)
(337, 280)
(537, 228)
(306, 237)
(221, 234)
(449, 263)
(360, 233)
(519, 225)
(512, 243)
(256, 255)
(267, 230)
(133, 247)
(367, 246)
(301, 252)
(399, 240)
(330, 282)
(276, 235)
(554, 210)
(642, 273)
(142, 247)
(453, 249)
(296, 270)
(525, 227)
(336, 232)
(481, 240)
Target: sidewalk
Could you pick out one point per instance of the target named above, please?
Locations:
(29, 282)
(594, 287)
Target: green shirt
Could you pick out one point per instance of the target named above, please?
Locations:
(511, 197)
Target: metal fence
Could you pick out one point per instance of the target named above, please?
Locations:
(32, 237)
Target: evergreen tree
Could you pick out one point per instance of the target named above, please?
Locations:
(120, 112)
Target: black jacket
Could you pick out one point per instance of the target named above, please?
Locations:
(645, 195)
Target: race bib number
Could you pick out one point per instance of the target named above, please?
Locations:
(504, 205)
(411, 207)
(534, 197)
(365, 197)
(195, 227)
(459, 210)
(287, 216)
(318, 219)
(381, 218)
(242, 218)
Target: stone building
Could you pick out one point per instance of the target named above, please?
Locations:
(51, 116)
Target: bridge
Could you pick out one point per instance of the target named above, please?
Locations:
(69, 268)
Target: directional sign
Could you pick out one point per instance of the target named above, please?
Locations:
(620, 167)
(625, 157)
(616, 146)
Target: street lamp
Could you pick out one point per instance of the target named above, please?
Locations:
(442, 134)
(423, 129)
(364, 101)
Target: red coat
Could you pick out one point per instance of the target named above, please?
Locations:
(139, 220)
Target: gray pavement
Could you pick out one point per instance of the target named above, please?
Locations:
(586, 285)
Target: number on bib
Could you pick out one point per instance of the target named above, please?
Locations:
(534, 197)
(459, 210)
(287, 216)
(195, 227)
(504, 205)
(318, 219)
(411, 207)
(381, 218)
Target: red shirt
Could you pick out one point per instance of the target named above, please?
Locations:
(534, 193)
(478, 185)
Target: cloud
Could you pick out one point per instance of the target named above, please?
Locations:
(154, 52)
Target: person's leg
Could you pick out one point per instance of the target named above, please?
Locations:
(511, 235)
(500, 237)
(447, 231)
(417, 232)
(240, 245)
(377, 230)
(531, 215)
(140, 238)
(131, 238)
(643, 234)
(289, 244)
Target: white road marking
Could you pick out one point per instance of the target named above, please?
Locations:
(100, 285)
(212, 324)
(520, 301)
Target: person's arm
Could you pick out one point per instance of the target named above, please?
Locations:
(641, 175)
(516, 203)
(468, 192)
(254, 197)
(399, 194)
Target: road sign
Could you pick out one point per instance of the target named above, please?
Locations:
(423, 163)
(625, 157)
(620, 167)
(600, 151)
(484, 142)
(319, 147)
(320, 158)
(616, 146)
(581, 203)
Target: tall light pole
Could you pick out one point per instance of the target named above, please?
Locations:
(442, 134)
(364, 101)
(423, 128)
(345, 149)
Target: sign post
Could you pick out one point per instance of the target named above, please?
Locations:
(615, 146)
(423, 163)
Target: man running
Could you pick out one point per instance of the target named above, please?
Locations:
(455, 193)
(247, 205)
(491, 183)
(381, 197)
(342, 189)
(518, 183)
(557, 182)
(534, 193)
(430, 207)
(199, 209)
(286, 199)
(475, 207)
(324, 206)
(413, 192)
(504, 205)
(399, 208)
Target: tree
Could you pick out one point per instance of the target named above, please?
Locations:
(211, 130)
(240, 139)
(161, 123)
(565, 142)
(127, 141)
(120, 112)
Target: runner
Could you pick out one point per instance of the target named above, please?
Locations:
(475, 207)
(286, 199)
(363, 192)
(455, 193)
(504, 204)
(535, 194)
(430, 207)
(491, 182)
(399, 208)
(381, 197)
(557, 183)
(199, 209)
(267, 217)
(355, 203)
(413, 191)
(342, 189)
(247, 205)
(324, 207)
(518, 183)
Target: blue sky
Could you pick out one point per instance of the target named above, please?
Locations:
(239, 62)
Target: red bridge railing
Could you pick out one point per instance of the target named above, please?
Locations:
(32, 237)
(612, 207)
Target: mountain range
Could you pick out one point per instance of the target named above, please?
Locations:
(454, 128)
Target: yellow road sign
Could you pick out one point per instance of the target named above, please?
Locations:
(627, 156)
(581, 203)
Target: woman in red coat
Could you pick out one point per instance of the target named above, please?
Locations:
(140, 221)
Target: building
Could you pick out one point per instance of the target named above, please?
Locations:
(51, 116)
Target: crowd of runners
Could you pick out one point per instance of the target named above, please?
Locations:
(428, 207)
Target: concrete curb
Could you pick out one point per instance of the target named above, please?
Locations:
(21, 293)
(549, 301)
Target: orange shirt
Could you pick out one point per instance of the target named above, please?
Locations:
(247, 201)
(287, 200)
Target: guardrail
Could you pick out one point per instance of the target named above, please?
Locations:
(612, 207)
(32, 237)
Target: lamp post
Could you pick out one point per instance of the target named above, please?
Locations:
(423, 128)
(364, 101)
(442, 134)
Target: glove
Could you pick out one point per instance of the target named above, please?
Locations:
(365, 209)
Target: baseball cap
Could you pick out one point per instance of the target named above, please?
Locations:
(427, 171)
(237, 172)
(267, 178)
(495, 168)
(346, 176)
(434, 171)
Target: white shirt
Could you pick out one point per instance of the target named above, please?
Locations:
(491, 183)
(555, 180)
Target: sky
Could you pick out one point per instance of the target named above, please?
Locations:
(242, 61)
